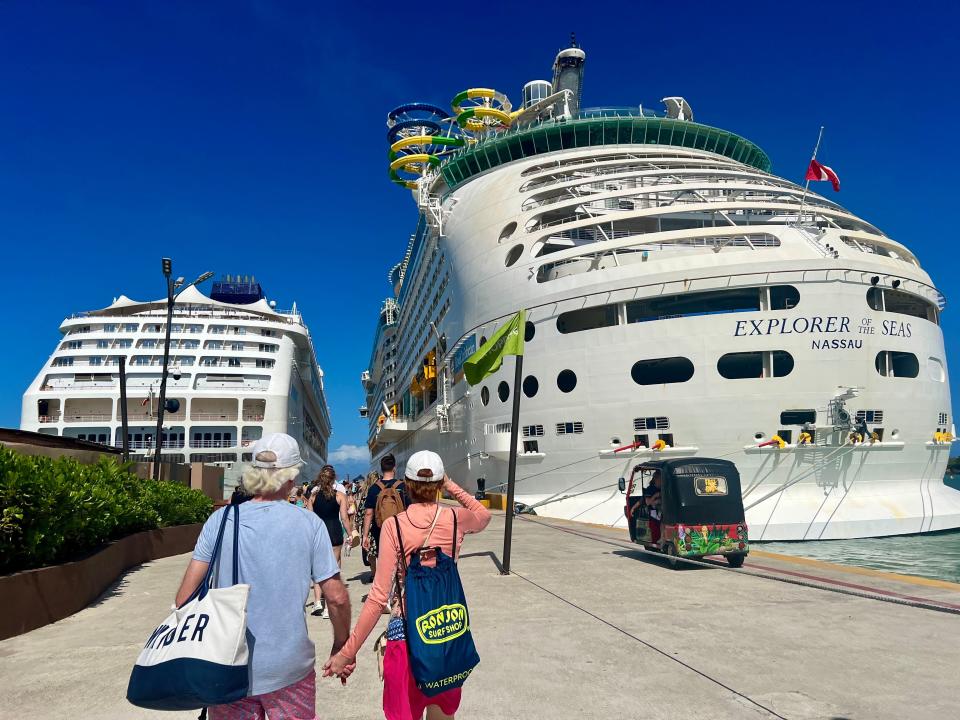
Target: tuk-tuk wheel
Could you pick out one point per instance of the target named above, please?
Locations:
(671, 551)
(735, 560)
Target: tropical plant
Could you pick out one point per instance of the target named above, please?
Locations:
(53, 510)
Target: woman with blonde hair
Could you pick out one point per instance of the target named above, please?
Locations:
(330, 505)
(280, 549)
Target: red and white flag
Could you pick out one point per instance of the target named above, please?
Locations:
(145, 401)
(817, 171)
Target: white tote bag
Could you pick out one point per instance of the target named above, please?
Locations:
(198, 656)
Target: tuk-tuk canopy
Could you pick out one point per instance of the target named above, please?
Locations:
(698, 490)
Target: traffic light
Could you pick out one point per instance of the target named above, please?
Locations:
(167, 266)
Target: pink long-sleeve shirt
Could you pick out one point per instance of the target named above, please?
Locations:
(414, 526)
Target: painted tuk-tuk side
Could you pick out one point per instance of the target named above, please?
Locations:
(700, 508)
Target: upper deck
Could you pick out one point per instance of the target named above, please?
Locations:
(596, 127)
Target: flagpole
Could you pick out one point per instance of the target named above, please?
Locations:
(512, 467)
(806, 187)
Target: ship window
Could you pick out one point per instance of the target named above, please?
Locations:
(529, 330)
(897, 301)
(587, 319)
(784, 297)
(503, 391)
(786, 435)
(484, 395)
(570, 428)
(531, 446)
(566, 380)
(530, 386)
(745, 365)
(697, 303)
(890, 363)
(660, 371)
(651, 423)
(798, 417)
(869, 416)
(515, 252)
(507, 231)
(533, 430)
(643, 440)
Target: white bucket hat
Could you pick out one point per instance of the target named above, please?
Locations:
(283, 446)
(424, 466)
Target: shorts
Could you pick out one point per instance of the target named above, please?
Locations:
(293, 702)
(402, 699)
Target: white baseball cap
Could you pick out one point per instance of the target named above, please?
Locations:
(281, 445)
(424, 466)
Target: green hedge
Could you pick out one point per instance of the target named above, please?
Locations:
(57, 510)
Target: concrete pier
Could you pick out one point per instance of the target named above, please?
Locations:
(588, 627)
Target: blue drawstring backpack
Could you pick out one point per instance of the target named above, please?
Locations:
(436, 620)
(199, 655)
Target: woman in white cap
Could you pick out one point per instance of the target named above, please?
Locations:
(281, 548)
(424, 516)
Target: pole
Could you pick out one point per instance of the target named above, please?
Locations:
(124, 428)
(806, 187)
(512, 467)
(163, 382)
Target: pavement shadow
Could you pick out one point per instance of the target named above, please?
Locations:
(488, 554)
(116, 587)
(659, 560)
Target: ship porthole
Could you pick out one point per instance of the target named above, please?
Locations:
(529, 330)
(503, 391)
(508, 230)
(530, 386)
(566, 380)
(515, 252)
(484, 395)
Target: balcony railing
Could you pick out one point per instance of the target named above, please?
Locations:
(90, 417)
(54, 417)
(212, 443)
(144, 445)
(214, 416)
(253, 417)
(147, 416)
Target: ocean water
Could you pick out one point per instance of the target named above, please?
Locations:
(935, 555)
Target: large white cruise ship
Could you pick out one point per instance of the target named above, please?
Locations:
(676, 291)
(239, 368)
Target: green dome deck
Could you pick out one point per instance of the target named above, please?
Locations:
(529, 141)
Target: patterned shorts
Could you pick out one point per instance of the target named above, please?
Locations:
(293, 702)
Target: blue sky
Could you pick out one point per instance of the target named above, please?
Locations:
(248, 137)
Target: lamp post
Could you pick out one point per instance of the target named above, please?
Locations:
(171, 298)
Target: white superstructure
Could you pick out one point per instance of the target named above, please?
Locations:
(676, 291)
(239, 368)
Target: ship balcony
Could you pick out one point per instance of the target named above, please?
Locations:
(88, 410)
(214, 437)
(48, 411)
(51, 418)
(211, 409)
(393, 428)
(253, 410)
(136, 410)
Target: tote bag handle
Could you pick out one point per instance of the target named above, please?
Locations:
(208, 579)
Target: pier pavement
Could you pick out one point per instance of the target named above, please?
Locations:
(587, 627)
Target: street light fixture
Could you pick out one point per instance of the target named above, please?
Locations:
(171, 298)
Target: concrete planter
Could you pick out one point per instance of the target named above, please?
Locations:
(34, 598)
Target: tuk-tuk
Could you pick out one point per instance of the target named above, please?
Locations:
(687, 507)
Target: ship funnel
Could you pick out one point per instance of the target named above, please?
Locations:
(568, 75)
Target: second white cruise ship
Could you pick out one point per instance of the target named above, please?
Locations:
(681, 301)
(239, 368)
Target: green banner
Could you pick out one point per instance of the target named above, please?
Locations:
(508, 340)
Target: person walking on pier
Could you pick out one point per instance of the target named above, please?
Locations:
(330, 506)
(385, 498)
(423, 522)
(281, 548)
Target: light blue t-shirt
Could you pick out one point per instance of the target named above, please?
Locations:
(281, 548)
